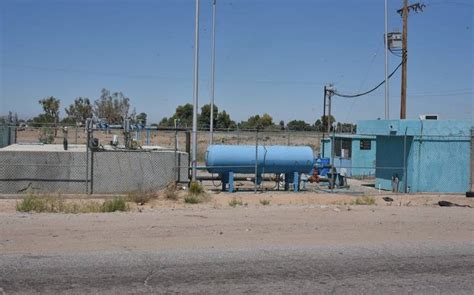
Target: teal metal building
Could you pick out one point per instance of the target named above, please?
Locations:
(425, 155)
(353, 152)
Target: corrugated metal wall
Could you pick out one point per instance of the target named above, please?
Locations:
(472, 159)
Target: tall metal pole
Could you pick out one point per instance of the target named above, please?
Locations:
(403, 98)
(196, 91)
(213, 72)
(387, 104)
(324, 116)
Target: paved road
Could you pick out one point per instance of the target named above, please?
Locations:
(394, 269)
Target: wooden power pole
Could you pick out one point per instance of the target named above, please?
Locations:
(404, 13)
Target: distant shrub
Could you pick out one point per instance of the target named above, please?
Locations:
(235, 202)
(116, 204)
(192, 199)
(265, 202)
(365, 200)
(195, 188)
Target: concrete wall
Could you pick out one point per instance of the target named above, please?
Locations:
(65, 172)
(121, 172)
(43, 171)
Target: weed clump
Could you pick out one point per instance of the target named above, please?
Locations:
(192, 199)
(116, 204)
(195, 188)
(196, 193)
(235, 202)
(365, 200)
(140, 198)
(265, 202)
(170, 192)
(56, 204)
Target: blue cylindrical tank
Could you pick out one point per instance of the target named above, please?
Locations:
(271, 159)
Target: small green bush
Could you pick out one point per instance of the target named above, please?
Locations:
(265, 202)
(365, 200)
(195, 188)
(192, 199)
(116, 204)
(235, 202)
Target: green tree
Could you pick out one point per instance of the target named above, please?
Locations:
(298, 125)
(324, 122)
(112, 107)
(224, 121)
(266, 120)
(78, 111)
(50, 113)
(257, 122)
(184, 114)
(204, 119)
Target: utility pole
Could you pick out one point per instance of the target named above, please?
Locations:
(213, 71)
(404, 13)
(196, 92)
(329, 109)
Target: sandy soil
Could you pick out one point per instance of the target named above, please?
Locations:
(304, 219)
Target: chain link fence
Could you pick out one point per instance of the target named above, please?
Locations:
(344, 161)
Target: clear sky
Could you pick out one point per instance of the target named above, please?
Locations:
(273, 56)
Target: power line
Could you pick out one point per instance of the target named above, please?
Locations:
(367, 92)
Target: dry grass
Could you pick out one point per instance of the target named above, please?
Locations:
(56, 204)
(235, 202)
(141, 198)
(365, 200)
(265, 202)
(196, 194)
(170, 192)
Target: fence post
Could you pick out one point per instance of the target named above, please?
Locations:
(333, 170)
(175, 155)
(92, 173)
(405, 176)
(75, 135)
(256, 160)
(87, 161)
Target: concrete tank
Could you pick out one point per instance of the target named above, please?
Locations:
(223, 159)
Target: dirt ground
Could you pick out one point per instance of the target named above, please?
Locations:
(221, 200)
(302, 218)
